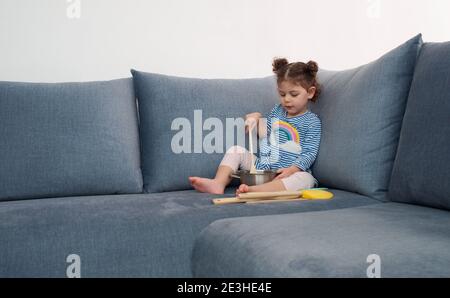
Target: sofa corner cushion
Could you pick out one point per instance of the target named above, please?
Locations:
(422, 166)
(406, 240)
(67, 139)
(171, 106)
(361, 111)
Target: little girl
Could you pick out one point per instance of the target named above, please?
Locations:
(289, 142)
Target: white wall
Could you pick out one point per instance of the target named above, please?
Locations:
(203, 38)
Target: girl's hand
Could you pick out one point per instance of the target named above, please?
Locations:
(286, 172)
(251, 120)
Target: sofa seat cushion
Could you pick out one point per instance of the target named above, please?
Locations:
(411, 241)
(143, 235)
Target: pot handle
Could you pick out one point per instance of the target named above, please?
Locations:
(235, 176)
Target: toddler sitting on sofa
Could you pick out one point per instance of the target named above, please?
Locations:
(293, 136)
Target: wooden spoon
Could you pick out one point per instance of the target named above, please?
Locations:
(235, 200)
(252, 168)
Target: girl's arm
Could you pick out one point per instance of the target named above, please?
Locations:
(262, 128)
(264, 124)
(256, 120)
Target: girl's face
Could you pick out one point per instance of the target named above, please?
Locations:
(294, 98)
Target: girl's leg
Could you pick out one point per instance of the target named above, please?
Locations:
(297, 181)
(274, 185)
(213, 186)
(234, 158)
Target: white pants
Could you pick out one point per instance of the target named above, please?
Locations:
(238, 157)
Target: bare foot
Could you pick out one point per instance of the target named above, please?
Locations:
(206, 185)
(242, 188)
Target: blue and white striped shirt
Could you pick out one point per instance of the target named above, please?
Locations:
(289, 141)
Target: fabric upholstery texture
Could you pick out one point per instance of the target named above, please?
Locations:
(410, 241)
(67, 139)
(422, 167)
(141, 235)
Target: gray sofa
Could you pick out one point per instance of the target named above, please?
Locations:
(86, 171)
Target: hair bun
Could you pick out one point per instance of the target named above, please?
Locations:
(313, 67)
(279, 63)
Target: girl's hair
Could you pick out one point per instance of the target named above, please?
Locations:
(301, 73)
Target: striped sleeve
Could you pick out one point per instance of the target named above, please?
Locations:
(263, 162)
(270, 117)
(310, 146)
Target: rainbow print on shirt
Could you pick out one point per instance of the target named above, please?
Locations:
(287, 135)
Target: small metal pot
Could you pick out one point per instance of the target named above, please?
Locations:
(261, 176)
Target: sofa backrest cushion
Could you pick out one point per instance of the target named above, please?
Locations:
(170, 106)
(422, 166)
(361, 111)
(67, 139)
